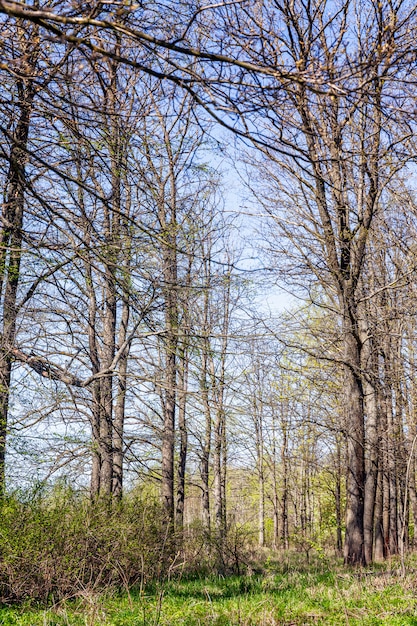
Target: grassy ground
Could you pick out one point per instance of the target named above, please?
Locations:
(287, 594)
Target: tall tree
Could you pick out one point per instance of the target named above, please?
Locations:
(329, 187)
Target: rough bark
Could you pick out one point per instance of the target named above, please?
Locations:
(168, 437)
(119, 409)
(285, 488)
(379, 553)
(183, 364)
(369, 367)
(354, 538)
(206, 444)
(11, 234)
(338, 498)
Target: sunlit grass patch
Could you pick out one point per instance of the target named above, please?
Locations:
(323, 593)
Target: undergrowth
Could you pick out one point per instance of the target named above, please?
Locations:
(66, 562)
(61, 546)
(288, 593)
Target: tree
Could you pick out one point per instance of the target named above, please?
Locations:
(338, 166)
(27, 55)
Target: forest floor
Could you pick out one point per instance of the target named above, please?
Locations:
(286, 594)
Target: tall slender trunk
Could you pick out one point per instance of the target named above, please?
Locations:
(183, 368)
(182, 426)
(11, 236)
(95, 442)
(385, 472)
(217, 472)
(219, 452)
(371, 469)
(285, 488)
(392, 478)
(354, 538)
(120, 405)
(261, 510)
(260, 461)
(370, 378)
(218, 491)
(168, 438)
(274, 472)
(95, 367)
(206, 447)
(261, 490)
(119, 410)
(379, 521)
(108, 350)
(205, 387)
(170, 286)
(338, 498)
(106, 391)
(413, 492)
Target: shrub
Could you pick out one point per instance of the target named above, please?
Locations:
(63, 546)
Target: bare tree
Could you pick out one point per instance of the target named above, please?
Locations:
(330, 185)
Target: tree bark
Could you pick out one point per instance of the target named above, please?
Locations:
(354, 538)
(338, 498)
(119, 410)
(11, 234)
(183, 364)
(370, 377)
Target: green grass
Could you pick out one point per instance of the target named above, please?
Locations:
(286, 594)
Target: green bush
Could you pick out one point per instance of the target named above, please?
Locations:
(63, 546)
(60, 546)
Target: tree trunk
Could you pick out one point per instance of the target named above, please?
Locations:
(11, 240)
(379, 554)
(182, 426)
(119, 411)
(338, 499)
(354, 538)
(284, 494)
(369, 367)
(206, 448)
(168, 437)
(392, 478)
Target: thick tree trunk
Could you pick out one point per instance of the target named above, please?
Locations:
(11, 244)
(95, 442)
(392, 477)
(369, 367)
(379, 553)
(386, 502)
(119, 411)
(354, 539)
(96, 385)
(108, 350)
(106, 438)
